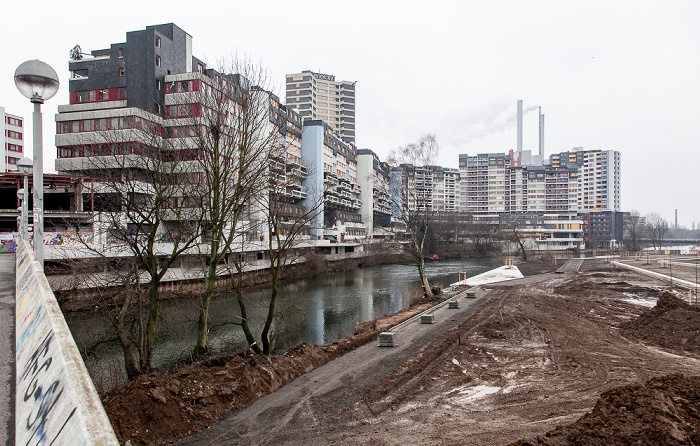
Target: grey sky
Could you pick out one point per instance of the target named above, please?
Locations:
(619, 75)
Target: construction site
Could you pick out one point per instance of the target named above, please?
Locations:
(591, 352)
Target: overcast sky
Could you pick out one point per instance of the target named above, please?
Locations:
(619, 75)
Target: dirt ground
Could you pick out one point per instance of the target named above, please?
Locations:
(527, 367)
(162, 407)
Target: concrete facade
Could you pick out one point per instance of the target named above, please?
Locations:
(598, 186)
(334, 177)
(12, 149)
(319, 96)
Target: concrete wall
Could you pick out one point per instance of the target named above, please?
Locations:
(56, 402)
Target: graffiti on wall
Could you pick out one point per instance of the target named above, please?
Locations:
(44, 391)
(9, 240)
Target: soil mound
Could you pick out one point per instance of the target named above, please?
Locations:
(671, 324)
(162, 407)
(664, 411)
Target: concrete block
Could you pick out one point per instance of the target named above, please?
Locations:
(471, 294)
(427, 319)
(387, 339)
(453, 305)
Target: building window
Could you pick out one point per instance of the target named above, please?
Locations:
(121, 71)
(157, 61)
(121, 92)
(121, 53)
(158, 85)
(157, 41)
(103, 95)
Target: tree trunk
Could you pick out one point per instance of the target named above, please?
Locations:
(130, 365)
(201, 347)
(274, 276)
(151, 326)
(423, 278)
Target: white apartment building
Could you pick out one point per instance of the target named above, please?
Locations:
(333, 179)
(485, 183)
(12, 150)
(446, 189)
(319, 96)
(598, 187)
(375, 198)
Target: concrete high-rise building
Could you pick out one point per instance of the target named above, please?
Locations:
(485, 183)
(496, 183)
(147, 97)
(375, 194)
(333, 179)
(598, 177)
(319, 96)
(12, 150)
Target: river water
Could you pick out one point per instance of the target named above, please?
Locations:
(315, 311)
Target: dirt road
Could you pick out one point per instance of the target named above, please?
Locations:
(335, 387)
(537, 354)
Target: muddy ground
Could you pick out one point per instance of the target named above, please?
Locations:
(525, 367)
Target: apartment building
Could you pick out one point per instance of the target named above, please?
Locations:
(598, 177)
(485, 183)
(333, 180)
(318, 96)
(149, 97)
(604, 229)
(375, 194)
(12, 128)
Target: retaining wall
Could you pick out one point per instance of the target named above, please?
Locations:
(56, 402)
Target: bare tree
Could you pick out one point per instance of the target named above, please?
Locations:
(514, 234)
(656, 228)
(287, 219)
(227, 117)
(412, 190)
(142, 226)
(634, 228)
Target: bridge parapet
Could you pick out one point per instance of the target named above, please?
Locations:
(56, 401)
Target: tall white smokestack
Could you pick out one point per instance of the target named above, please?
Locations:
(541, 134)
(520, 125)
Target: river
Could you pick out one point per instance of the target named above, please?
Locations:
(315, 311)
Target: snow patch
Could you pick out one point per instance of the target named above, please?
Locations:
(636, 300)
(474, 392)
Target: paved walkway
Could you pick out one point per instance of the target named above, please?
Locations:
(7, 351)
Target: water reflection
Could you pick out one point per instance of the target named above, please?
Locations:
(315, 311)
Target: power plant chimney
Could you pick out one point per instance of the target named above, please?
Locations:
(541, 134)
(520, 126)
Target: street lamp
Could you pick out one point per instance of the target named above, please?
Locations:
(25, 168)
(23, 210)
(37, 81)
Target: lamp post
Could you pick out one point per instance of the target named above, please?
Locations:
(37, 81)
(23, 213)
(25, 168)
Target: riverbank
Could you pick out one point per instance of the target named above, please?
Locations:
(535, 356)
(86, 299)
(192, 398)
(161, 407)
